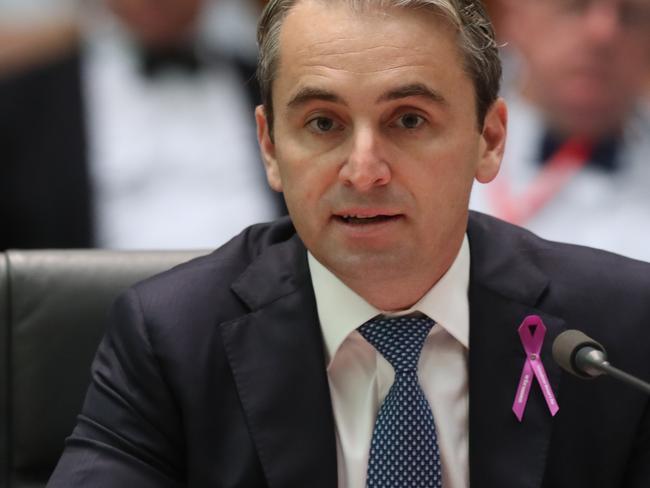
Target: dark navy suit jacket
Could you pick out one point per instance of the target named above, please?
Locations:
(213, 374)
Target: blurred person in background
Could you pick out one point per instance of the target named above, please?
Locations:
(577, 162)
(22, 46)
(141, 137)
(494, 9)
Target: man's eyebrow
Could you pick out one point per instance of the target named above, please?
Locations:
(413, 90)
(307, 94)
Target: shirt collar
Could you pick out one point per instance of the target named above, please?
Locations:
(341, 311)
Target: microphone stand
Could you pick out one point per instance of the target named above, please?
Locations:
(594, 362)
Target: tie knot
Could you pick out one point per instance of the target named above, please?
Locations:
(398, 339)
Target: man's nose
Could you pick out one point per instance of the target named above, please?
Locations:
(365, 166)
(603, 21)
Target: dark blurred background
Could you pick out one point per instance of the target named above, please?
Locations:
(129, 123)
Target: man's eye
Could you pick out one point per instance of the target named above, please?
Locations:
(410, 121)
(322, 124)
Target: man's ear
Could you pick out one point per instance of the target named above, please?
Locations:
(267, 148)
(493, 142)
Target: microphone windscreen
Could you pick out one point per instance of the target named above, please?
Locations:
(567, 345)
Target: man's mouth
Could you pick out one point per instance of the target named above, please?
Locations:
(357, 219)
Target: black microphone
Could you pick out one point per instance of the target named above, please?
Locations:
(580, 355)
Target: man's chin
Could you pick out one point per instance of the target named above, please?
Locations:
(380, 264)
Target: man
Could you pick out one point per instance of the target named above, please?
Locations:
(138, 138)
(260, 365)
(576, 167)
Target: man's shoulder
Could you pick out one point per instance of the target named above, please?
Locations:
(46, 73)
(209, 278)
(497, 235)
(499, 245)
(52, 85)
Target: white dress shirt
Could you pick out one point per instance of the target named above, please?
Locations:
(173, 161)
(360, 377)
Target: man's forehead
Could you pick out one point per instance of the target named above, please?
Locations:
(350, 14)
(396, 39)
(408, 53)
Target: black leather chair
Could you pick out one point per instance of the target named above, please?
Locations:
(53, 307)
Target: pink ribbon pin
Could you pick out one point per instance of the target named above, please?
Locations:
(532, 331)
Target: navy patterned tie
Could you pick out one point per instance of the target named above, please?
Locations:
(404, 448)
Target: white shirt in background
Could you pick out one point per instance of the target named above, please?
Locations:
(173, 160)
(604, 209)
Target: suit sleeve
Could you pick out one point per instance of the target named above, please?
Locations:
(129, 432)
(638, 472)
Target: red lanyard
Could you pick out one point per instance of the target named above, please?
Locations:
(563, 165)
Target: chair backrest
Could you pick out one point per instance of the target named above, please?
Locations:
(53, 307)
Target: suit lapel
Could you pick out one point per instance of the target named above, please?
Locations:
(276, 355)
(506, 286)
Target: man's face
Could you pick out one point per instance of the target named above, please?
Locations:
(586, 58)
(158, 22)
(376, 141)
